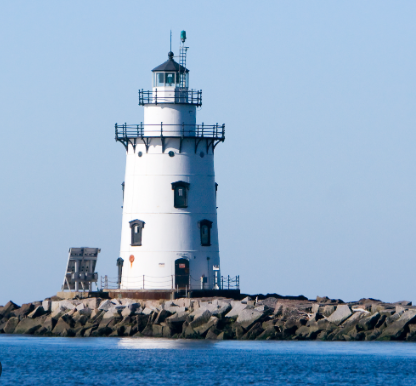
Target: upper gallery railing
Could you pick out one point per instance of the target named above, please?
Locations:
(125, 131)
(176, 96)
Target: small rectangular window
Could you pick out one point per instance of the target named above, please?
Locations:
(160, 80)
(205, 229)
(180, 194)
(136, 232)
(170, 79)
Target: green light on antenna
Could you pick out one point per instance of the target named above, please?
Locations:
(183, 36)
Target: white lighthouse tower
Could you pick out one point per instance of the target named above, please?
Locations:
(169, 236)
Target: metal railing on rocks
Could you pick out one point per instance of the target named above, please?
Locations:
(176, 96)
(146, 282)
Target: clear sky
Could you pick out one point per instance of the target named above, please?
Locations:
(317, 189)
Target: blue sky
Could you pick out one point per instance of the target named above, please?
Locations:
(316, 176)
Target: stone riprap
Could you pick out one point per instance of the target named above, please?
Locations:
(214, 318)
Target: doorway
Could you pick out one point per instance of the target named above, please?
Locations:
(182, 273)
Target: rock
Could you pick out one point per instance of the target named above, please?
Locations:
(289, 328)
(86, 312)
(25, 310)
(201, 330)
(102, 331)
(342, 313)
(49, 323)
(190, 333)
(64, 323)
(105, 305)
(92, 303)
(167, 332)
(8, 308)
(267, 334)
(220, 336)
(248, 317)
(161, 316)
(39, 311)
(47, 305)
(404, 303)
(88, 332)
(67, 333)
(397, 329)
(223, 309)
(131, 309)
(369, 322)
(211, 335)
(200, 319)
(253, 332)
(11, 325)
(157, 331)
(246, 299)
(328, 310)
(323, 299)
(236, 308)
(28, 326)
(148, 330)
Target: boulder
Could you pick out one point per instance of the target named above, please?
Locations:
(369, 322)
(253, 332)
(49, 323)
(28, 326)
(267, 334)
(11, 325)
(190, 333)
(105, 305)
(8, 308)
(148, 330)
(86, 312)
(201, 330)
(200, 319)
(342, 313)
(236, 308)
(25, 310)
(246, 300)
(323, 299)
(92, 303)
(398, 329)
(248, 317)
(64, 323)
(88, 332)
(47, 305)
(161, 316)
(131, 309)
(211, 335)
(403, 303)
(328, 310)
(167, 332)
(102, 331)
(38, 311)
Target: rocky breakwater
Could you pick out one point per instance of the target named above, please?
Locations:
(214, 318)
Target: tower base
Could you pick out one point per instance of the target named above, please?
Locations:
(172, 294)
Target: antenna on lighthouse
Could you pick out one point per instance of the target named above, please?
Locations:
(182, 60)
(170, 41)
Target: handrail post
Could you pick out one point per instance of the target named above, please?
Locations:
(202, 129)
(161, 129)
(172, 281)
(156, 97)
(228, 281)
(143, 281)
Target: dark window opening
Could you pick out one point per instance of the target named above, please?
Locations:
(136, 232)
(180, 189)
(205, 230)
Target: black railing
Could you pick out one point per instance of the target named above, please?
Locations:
(125, 131)
(189, 97)
(146, 282)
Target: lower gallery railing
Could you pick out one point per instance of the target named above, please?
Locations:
(171, 282)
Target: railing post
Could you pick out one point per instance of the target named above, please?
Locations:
(228, 281)
(172, 281)
(143, 281)
(222, 282)
(161, 129)
(156, 96)
(183, 129)
(202, 129)
(105, 281)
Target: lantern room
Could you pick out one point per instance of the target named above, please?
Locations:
(170, 74)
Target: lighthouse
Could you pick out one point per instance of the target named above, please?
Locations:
(169, 232)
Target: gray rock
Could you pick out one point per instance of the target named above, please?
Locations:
(246, 299)
(190, 333)
(397, 329)
(267, 334)
(25, 310)
(38, 311)
(237, 307)
(105, 305)
(253, 332)
(161, 316)
(200, 319)
(211, 335)
(342, 313)
(47, 305)
(404, 303)
(201, 330)
(28, 326)
(248, 317)
(11, 325)
(328, 310)
(167, 332)
(369, 322)
(64, 323)
(9, 307)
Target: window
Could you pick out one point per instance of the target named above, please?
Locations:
(180, 194)
(170, 79)
(136, 232)
(205, 229)
(160, 79)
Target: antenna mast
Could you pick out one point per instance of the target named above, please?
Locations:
(182, 60)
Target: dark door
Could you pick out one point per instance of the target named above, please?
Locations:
(182, 273)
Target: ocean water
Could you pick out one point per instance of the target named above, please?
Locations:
(30, 360)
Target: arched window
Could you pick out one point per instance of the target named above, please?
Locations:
(205, 230)
(180, 194)
(136, 232)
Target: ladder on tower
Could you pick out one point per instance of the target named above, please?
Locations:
(182, 63)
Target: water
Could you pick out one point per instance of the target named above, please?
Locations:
(128, 361)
